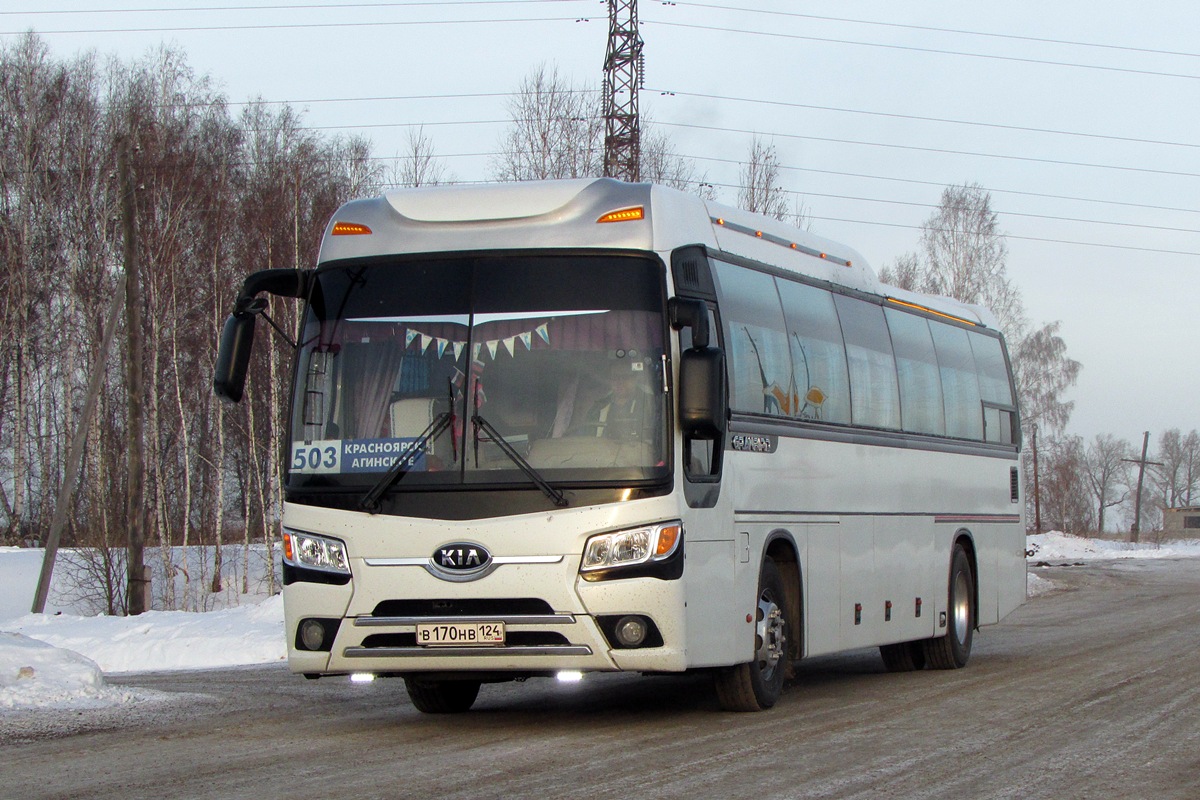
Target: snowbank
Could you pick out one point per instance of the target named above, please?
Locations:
(166, 640)
(1058, 546)
(35, 674)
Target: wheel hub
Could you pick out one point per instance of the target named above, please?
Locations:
(771, 635)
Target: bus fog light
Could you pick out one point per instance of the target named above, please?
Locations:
(312, 634)
(631, 631)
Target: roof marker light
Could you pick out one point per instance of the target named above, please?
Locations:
(624, 215)
(929, 310)
(349, 229)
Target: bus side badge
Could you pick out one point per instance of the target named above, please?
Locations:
(460, 562)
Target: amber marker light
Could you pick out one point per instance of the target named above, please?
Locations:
(287, 546)
(929, 310)
(668, 537)
(349, 229)
(624, 215)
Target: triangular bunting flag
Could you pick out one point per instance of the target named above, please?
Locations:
(544, 332)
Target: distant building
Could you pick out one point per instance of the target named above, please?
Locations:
(1181, 523)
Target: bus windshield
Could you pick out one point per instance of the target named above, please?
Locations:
(463, 367)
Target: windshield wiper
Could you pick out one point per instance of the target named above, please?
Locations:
(556, 496)
(404, 462)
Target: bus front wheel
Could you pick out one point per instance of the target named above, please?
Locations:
(758, 684)
(442, 697)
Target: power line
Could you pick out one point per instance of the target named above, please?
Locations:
(281, 7)
(942, 151)
(957, 31)
(921, 118)
(1027, 215)
(297, 26)
(915, 49)
(939, 184)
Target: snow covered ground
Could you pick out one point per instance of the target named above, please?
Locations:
(58, 660)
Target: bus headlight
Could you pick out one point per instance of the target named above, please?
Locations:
(633, 546)
(315, 552)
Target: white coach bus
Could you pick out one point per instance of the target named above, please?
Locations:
(556, 428)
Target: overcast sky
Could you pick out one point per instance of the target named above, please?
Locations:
(1081, 119)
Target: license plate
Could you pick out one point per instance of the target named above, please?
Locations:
(460, 634)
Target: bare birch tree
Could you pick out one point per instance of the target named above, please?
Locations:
(759, 187)
(1179, 476)
(557, 130)
(419, 165)
(1106, 473)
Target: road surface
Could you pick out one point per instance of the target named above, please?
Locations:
(1092, 691)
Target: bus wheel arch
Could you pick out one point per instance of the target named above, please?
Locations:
(782, 550)
(953, 649)
(756, 685)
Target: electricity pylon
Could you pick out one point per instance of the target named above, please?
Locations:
(623, 67)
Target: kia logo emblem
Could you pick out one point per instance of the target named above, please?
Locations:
(462, 558)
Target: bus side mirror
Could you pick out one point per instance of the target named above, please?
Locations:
(702, 409)
(688, 312)
(237, 337)
(233, 357)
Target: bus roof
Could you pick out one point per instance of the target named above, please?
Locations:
(600, 213)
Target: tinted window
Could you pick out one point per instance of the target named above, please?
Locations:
(760, 370)
(960, 386)
(994, 386)
(818, 355)
(921, 407)
(995, 389)
(874, 395)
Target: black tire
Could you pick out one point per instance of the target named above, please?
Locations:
(442, 697)
(758, 684)
(903, 657)
(954, 649)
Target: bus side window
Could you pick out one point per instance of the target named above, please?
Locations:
(760, 369)
(818, 354)
(960, 383)
(874, 390)
(995, 389)
(921, 407)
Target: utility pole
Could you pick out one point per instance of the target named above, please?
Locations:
(137, 575)
(623, 76)
(1037, 495)
(1135, 531)
(75, 456)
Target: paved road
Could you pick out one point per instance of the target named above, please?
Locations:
(1088, 692)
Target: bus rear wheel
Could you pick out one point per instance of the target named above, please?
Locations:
(758, 684)
(952, 650)
(442, 697)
